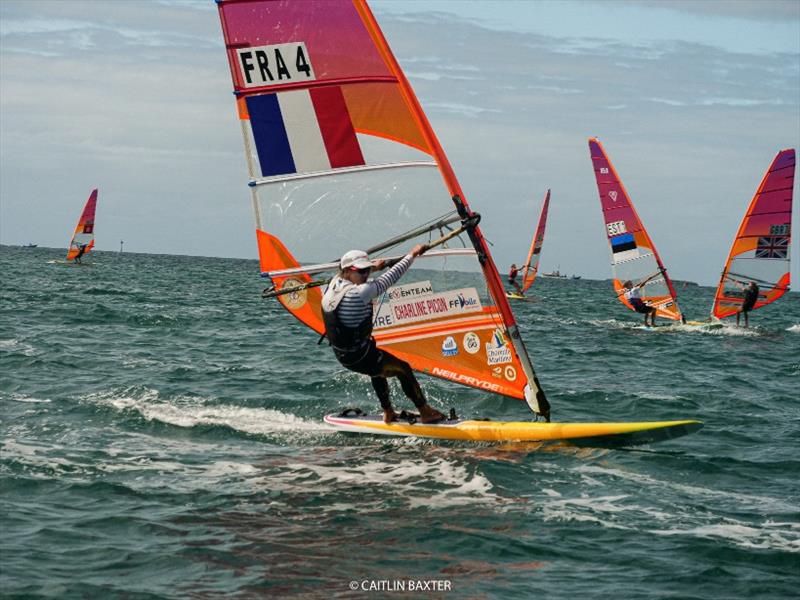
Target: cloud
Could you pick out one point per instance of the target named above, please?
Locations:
(138, 103)
(778, 11)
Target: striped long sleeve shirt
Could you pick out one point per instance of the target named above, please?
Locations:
(356, 303)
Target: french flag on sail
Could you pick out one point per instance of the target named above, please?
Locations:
(302, 131)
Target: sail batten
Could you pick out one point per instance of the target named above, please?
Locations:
(339, 156)
(761, 249)
(633, 254)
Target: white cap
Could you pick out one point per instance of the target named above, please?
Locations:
(355, 259)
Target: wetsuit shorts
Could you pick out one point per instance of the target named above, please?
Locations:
(639, 306)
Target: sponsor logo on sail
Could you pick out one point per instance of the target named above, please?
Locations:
(497, 372)
(498, 350)
(613, 195)
(510, 373)
(421, 288)
(421, 308)
(293, 300)
(471, 342)
(449, 346)
(604, 170)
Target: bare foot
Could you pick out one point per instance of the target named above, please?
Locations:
(389, 415)
(428, 414)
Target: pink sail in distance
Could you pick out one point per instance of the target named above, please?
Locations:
(531, 267)
(633, 253)
(760, 251)
(84, 230)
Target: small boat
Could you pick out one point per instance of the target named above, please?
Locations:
(31, 245)
(554, 275)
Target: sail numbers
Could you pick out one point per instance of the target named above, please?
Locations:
(273, 65)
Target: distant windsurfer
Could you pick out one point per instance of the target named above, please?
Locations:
(347, 312)
(749, 300)
(81, 252)
(512, 278)
(633, 294)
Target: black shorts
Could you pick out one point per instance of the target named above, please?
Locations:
(641, 307)
(367, 361)
(747, 306)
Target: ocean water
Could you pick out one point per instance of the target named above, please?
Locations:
(162, 438)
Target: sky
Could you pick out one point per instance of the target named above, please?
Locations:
(692, 100)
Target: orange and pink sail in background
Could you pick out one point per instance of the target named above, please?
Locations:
(633, 254)
(761, 248)
(84, 230)
(531, 267)
(340, 156)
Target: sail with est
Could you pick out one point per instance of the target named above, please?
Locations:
(633, 255)
(84, 230)
(531, 267)
(341, 156)
(760, 251)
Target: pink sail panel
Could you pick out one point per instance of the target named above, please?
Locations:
(531, 267)
(761, 249)
(84, 230)
(633, 254)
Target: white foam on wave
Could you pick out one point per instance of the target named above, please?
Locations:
(29, 400)
(18, 344)
(767, 536)
(607, 511)
(729, 330)
(771, 535)
(191, 412)
(794, 328)
(420, 482)
(749, 501)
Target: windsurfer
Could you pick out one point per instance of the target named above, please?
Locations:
(512, 278)
(347, 312)
(748, 302)
(81, 252)
(633, 294)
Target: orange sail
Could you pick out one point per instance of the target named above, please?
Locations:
(83, 239)
(633, 254)
(341, 156)
(760, 251)
(531, 267)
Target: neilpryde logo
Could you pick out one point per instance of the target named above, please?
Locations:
(449, 346)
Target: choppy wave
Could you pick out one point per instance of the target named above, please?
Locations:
(158, 438)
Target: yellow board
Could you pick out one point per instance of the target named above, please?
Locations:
(583, 434)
